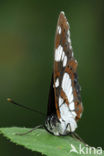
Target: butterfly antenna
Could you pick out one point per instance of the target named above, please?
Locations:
(28, 108)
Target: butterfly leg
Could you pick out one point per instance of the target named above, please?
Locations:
(39, 126)
(76, 136)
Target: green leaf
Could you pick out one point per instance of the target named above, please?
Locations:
(41, 141)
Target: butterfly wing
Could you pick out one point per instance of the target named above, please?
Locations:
(51, 100)
(66, 86)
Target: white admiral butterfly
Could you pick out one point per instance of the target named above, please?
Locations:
(64, 104)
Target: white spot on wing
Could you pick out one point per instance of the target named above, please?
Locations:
(59, 29)
(57, 82)
(64, 61)
(65, 113)
(63, 55)
(67, 117)
(72, 106)
(58, 53)
(74, 113)
(70, 89)
(68, 32)
(70, 98)
(67, 87)
(69, 40)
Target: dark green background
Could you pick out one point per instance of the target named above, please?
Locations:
(27, 31)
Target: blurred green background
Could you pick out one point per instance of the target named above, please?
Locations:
(27, 30)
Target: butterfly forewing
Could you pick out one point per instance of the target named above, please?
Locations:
(66, 86)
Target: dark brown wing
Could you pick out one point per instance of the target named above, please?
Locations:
(51, 100)
(64, 65)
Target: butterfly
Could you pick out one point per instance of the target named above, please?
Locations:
(64, 104)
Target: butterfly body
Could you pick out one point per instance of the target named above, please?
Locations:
(57, 127)
(64, 105)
